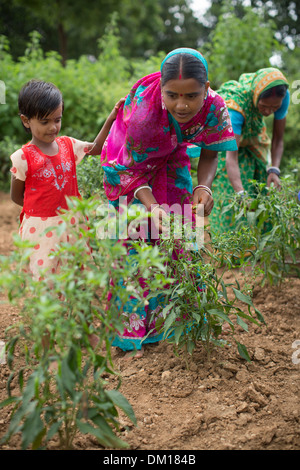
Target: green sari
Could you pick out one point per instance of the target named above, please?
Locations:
(254, 149)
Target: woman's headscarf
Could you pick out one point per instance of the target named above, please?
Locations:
(145, 138)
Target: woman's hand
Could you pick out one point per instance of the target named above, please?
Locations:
(273, 178)
(160, 218)
(201, 196)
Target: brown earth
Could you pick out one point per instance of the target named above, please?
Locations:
(221, 404)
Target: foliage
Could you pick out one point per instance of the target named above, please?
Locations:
(90, 89)
(90, 177)
(286, 13)
(273, 217)
(86, 88)
(199, 301)
(62, 313)
(91, 86)
(235, 48)
(7, 147)
(59, 367)
(72, 28)
(266, 239)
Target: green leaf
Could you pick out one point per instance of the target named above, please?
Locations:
(219, 313)
(105, 437)
(9, 401)
(178, 333)
(54, 429)
(121, 402)
(167, 309)
(242, 297)
(243, 351)
(68, 378)
(242, 324)
(32, 426)
(170, 320)
(259, 316)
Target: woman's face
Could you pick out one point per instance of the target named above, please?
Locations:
(184, 98)
(268, 106)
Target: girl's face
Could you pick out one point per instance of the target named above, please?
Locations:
(268, 106)
(45, 130)
(184, 98)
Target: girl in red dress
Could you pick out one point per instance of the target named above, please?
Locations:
(44, 170)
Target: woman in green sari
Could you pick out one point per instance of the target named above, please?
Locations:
(249, 100)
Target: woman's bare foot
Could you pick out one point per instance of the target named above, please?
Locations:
(93, 340)
(53, 366)
(226, 329)
(136, 354)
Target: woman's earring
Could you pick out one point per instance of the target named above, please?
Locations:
(163, 106)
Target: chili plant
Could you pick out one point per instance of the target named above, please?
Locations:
(60, 370)
(273, 217)
(197, 302)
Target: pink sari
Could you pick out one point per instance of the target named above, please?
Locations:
(147, 146)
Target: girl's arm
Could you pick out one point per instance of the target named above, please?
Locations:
(207, 167)
(96, 147)
(18, 176)
(17, 188)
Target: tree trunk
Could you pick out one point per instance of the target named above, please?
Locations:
(63, 40)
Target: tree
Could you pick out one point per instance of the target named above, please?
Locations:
(73, 27)
(17, 22)
(71, 18)
(234, 47)
(285, 13)
(181, 27)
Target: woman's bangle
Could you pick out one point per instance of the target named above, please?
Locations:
(202, 186)
(242, 192)
(141, 187)
(154, 206)
(273, 169)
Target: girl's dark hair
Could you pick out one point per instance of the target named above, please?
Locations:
(278, 90)
(185, 66)
(38, 99)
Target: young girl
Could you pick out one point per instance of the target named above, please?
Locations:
(44, 170)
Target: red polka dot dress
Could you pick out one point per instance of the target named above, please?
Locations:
(48, 180)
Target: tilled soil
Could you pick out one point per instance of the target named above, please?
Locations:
(223, 403)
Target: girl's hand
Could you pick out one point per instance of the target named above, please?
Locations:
(201, 196)
(92, 148)
(117, 106)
